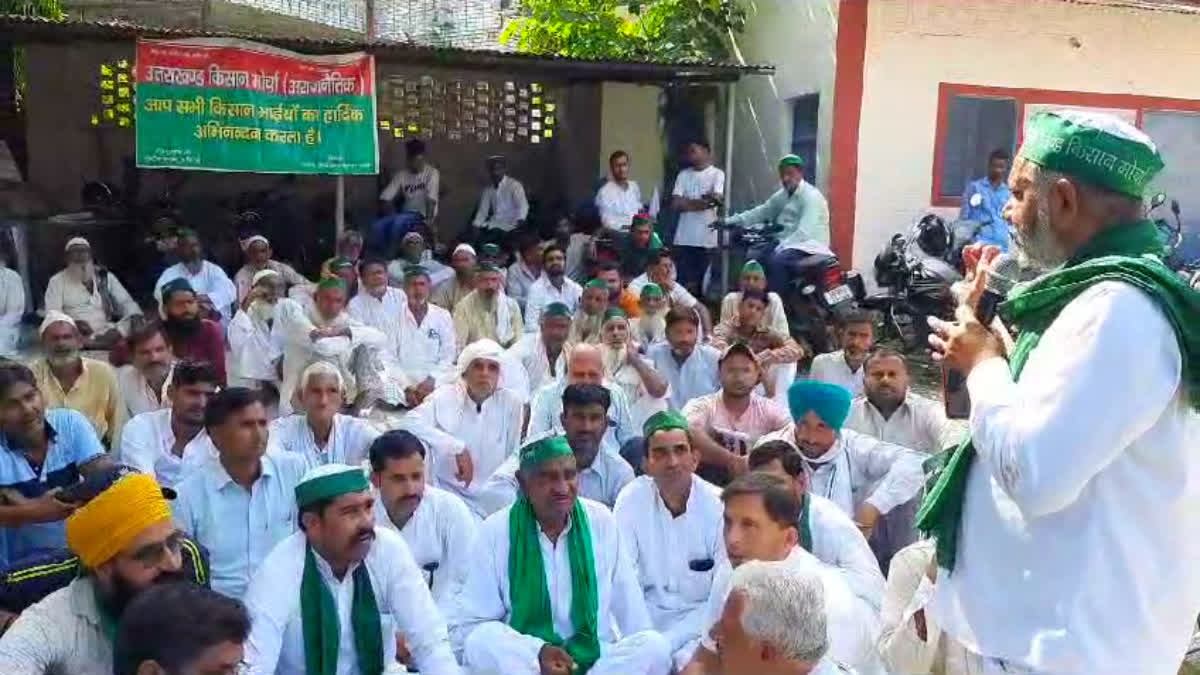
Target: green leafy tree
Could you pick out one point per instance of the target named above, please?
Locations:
(50, 9)
(14, 58)
(655, 30)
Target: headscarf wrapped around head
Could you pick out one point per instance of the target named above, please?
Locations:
(106, 525)
(830, 402)
(480, 349)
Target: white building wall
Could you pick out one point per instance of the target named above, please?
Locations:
(913, 45)
(798, 37)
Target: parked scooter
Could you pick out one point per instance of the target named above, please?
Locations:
(811, 301)
(915, 277)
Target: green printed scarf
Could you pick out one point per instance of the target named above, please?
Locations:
(319, 620)
(529, 596)
(1128, 253)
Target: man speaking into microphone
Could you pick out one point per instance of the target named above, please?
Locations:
(1068, 527)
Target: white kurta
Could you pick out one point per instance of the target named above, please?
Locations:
(428, 347)
(775, 319)
(253, 350)
(919, 424)
(860, 468)
(210, 280)
(519, 280)
(837, 542)
(450, 422)
(66, 293)
(628, 646)
(439, 535)
(501, 206)
(546, 409)
(852, 625)
(601, 482)
(383, 314)
(832, 368)
(542, 292)
(618, 205)
(697, 376)
(276, 643)
(136, 394)
(530, 352)
(675, 556)
(146, 442)
(1083, 504)
(12, 308)
(348, 442)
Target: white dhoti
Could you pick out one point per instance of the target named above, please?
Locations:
(496, 649)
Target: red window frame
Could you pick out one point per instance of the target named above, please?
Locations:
(948, 90)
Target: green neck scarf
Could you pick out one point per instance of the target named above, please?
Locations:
(319, 618)
(1127, 253)
(529, 596)
(108, 622)
(805, 523)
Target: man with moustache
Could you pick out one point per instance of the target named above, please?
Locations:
(92, 296)
(258, 259)
(526, 269)
(585, 326)
(349, 573)
(438, 528)
(624, 366)
(319, 432)
(162, 442)
(650, 327)
(181, 629)
(427, 336)
(126, 543)
(1083, 431)
(414, 252)
(552, 287)
(691, 368)
(487, 313)
(584, 421)
(449, 293)
(141, 382)
(239, 503)
(215, 293)
(864, 476)
(383, 308)
(777, 352)
(542, 353)
(754, 277)
(618, 294)
(510, 621)
(672, 521)
(636, 246)
(892, 412)
(191, 336)
(856, 335)
(69, 380)
(254, 351)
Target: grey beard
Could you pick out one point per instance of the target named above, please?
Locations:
(652, 326)
(1038, 247)
(62, 359)
(82, 273)
(262, 311)
(613, 358)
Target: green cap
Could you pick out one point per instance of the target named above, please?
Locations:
(753, 267)
(556, 310)
(1097, 148)
(487, 267)
(414, 271)
(330, 481)
(615, 313)
(489, 249)
(331, 282)
(664, 420)
(791, 160)
(651, 290)
(596, 283)
(340, 263)
(544, 449)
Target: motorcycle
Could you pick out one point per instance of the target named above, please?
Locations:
(812, 300)
(915, 276)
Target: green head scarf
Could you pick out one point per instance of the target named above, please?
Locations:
(1097, 148)
(529, 596)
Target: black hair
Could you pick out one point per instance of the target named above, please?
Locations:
(226, 402)
(394, 444)
(619, 153)
(885, 353)
(656, 257)
(606, 266)
(778, 498)
(527, 240)
(578, 395)
(552, 247)
(755, 294)
(788, 456)
(678, 314)
(855, 316)
(999, 153)
(12, 372)
(173, 624)
(368, 261)
(143, 333)
(414, 147)
(317, 508)
(194, 372)
(700, 142)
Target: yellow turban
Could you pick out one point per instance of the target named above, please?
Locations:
(100, 529)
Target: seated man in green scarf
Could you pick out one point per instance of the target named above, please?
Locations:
(552, 586)
(357, 586)
(1076, 502)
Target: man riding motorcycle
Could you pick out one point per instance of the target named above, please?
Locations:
(803, 214)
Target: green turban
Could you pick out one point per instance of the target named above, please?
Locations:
(791, 160)
(543, 450)
(340, 263)
(651, 290)
(829, 401)
(1097, 148)
(332, 282)
(664, 420)
(753, 267)
(614, 313)
(556, 310)
(597, 283)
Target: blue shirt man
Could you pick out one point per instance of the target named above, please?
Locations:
(984, 199)
(41, 451)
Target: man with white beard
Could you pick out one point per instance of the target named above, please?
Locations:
(644, 388)
(92, 296)
(651, 327)
(487, 313)
(585, 326)
(1083, 430)
(254, 352)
